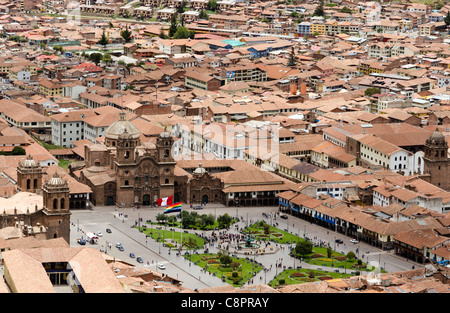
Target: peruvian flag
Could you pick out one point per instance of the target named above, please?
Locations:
(165, 201)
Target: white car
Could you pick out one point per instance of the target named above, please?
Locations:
(99, 233)
(353, 241)
(161, 266)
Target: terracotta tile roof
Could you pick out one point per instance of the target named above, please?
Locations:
(25, 267)
(420, 239)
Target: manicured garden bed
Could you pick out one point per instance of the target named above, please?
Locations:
(237, 272)
(303, 275)
(172, 239)
(270, 233)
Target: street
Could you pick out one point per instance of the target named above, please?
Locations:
(121, 223)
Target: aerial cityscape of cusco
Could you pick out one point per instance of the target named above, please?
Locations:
(198, 147)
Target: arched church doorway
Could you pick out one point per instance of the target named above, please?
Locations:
(146, 200)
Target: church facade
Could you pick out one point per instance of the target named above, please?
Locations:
(40, 207)
(124, 171)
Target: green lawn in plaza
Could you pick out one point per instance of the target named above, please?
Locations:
(303, 275)
(320, 255)
(259, 232)
(236, 273)
(172, 239)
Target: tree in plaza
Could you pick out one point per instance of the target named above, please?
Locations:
(303, 248)
(351, 255)
(187, 219)
(329, 252)
(209, 220)
(127, 35)
(161, 218)
(266, 228)
(205, 220)
(172, 219)
(235, 265)
(103, 39)
(225, 260)
(224, 220)
(191, 242)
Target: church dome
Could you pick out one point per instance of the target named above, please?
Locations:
(165, 134)
(56, 180)
(29, 162)
(436, 138)
(122, 126)
(199, 169)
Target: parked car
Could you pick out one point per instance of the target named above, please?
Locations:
(139, 259)
(132, 255)
(283, 216)
(121, 248)
(82, 242)
(198, 207)
(99, 233)
(108, 231)
(339, 241)
(118, 244)
(353, 241)
(161, 266)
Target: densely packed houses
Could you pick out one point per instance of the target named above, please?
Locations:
(336, 111)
